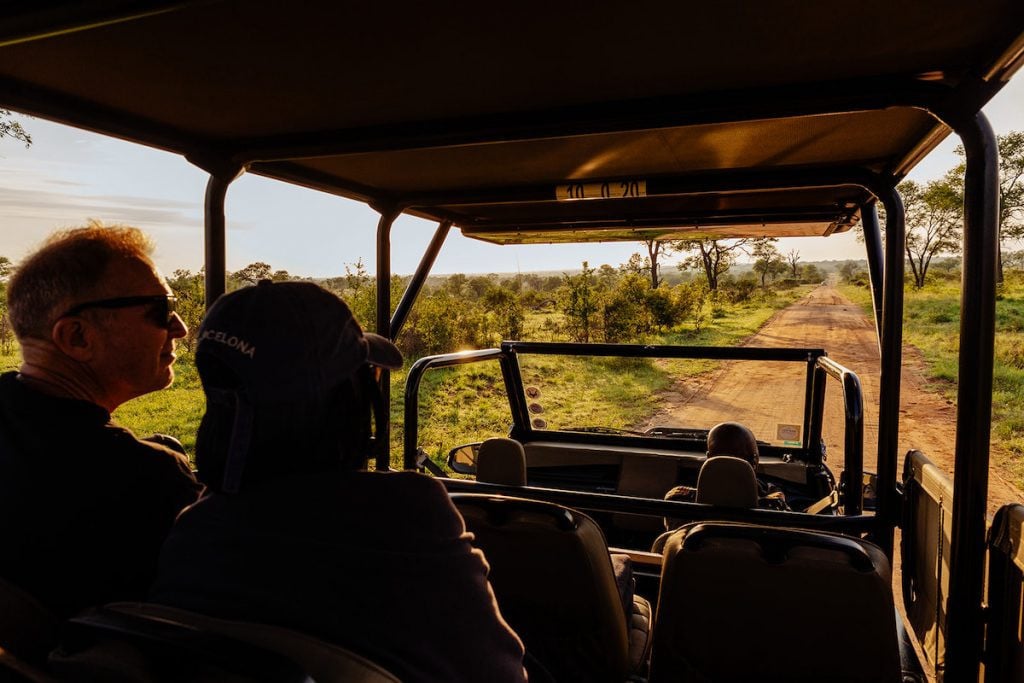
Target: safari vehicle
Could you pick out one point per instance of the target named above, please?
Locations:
(576, 123)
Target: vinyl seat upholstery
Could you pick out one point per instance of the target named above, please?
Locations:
(742, 602)
(555, 584)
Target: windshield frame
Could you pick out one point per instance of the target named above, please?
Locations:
(522, 430)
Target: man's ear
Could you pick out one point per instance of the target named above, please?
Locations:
(75, 337)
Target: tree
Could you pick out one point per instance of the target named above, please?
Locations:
(767, 259)
(691, 299)
(606, 276)
(253, 273)
(663, 308)
(579, 303)
(478, 285)
(714, 257)
(190, 289)
(811, 273)
(9, 128)
(1011, 188)
(454, 284)
(934, 216)
(793, 259)
(850, 271)
(655, 250)
(6, 331)
(625, 312)
(635, 264)
(507, 310)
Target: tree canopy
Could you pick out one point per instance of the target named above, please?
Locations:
(9, 128)
(1011, 187)
(934, 218)
(713, 257)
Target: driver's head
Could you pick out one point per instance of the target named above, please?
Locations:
(732, 438)
(289, 385)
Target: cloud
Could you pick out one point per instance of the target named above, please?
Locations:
(69, 208)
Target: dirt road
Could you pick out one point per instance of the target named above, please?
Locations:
(764, 395)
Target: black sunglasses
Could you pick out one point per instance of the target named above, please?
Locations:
(160, 312)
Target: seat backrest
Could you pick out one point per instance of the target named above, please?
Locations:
(1004, 645)
(554, 583)
(146, 641)
(27, 629)
(501, 461)
(728, 482)
(741, 602)
(928, 513)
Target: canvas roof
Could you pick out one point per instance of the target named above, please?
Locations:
(513, 120)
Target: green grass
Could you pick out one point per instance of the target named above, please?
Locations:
(932, 325)
(468, 403)
(175, 411)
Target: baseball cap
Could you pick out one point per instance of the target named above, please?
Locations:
(266, 348)
(288, 341)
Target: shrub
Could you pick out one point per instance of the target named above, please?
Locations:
(662, 308)
(506, 312)
(579, 304)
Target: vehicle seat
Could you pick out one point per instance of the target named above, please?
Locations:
(728, 482)
(723, 480)
(555, 585)
(27, 629)
(149, 642)
(741, 602)
(501, 461)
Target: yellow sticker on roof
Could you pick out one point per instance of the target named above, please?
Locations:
(613, 189)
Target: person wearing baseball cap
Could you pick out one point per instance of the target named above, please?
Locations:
(294, 531)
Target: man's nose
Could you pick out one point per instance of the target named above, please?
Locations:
(176, 327)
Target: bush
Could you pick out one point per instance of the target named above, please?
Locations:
(691, 298)
(624, 311)
(506, 312)
(441, 324)
(738, 291)
(663, 308)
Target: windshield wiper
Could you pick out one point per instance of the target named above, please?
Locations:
(678, 433)
(604, 430)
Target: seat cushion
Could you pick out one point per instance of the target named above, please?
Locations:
(640, 633)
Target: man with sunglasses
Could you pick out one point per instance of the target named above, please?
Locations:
(84, 504)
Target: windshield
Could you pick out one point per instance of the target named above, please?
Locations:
(666, 397)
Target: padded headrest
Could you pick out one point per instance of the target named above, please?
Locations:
(501, 461)
(728, 482)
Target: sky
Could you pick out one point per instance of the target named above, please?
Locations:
(68, 176)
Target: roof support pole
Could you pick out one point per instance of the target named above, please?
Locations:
(965, 619)
(383, 432)
(891, 347)
(215, 241)
(873, 244)
(418, 278)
